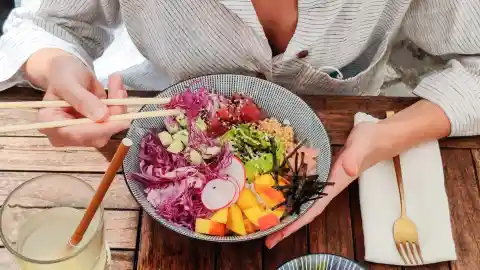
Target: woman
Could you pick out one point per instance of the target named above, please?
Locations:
(314, 47)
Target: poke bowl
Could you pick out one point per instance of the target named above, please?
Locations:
(243, 159)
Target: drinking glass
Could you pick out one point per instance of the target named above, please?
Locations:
(39, 217)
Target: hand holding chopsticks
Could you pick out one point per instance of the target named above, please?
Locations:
(71, 122)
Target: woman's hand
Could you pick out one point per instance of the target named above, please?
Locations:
(70, 80)
(370, 143)
(362, 149)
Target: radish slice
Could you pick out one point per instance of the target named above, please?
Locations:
(218, 193)
(237, 190)
(236, 170)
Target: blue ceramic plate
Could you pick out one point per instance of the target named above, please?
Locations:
(321, 262)
(275, 100)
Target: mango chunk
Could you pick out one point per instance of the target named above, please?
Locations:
(249, 227)
(253, 214)
(264, 187)
(235, 220)
(221, 216)
(278, 212)
(247, 199)
(268, 221)
(265, 179)
(209, 227)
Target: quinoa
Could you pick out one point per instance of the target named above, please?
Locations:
(283, 133)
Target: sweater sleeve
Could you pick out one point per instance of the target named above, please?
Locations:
(446, 28)
(83, 28)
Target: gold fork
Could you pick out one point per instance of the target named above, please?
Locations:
(404, 230)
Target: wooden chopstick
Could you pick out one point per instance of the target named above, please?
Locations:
(102, 189)
(61, 103)
(72, 122)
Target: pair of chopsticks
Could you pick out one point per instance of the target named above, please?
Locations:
(72, 122)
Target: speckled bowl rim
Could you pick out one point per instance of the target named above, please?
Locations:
(232, 239)
(362, 266)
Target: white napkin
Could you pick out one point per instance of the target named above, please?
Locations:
(426, 204)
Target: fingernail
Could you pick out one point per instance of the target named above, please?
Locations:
(100, 114)
(273, 243)
(273, 240)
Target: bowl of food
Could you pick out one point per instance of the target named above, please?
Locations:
(243, 159)
(321, 261)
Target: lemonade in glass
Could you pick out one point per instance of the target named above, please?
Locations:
(39, 217)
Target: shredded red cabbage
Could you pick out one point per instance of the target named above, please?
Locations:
(155, 160)
(158, 196)
(184, 209)
(155, 178)
(172, 184)
(192, 103)
(198, 138)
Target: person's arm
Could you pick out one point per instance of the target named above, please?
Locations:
(450, 104)
(447, 27)
(82, 28)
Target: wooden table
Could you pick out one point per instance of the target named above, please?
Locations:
(137, 242)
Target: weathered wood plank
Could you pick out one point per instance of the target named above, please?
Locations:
(339, 124)
(358, 231)
(120, 229)
(37, 154)
(435, 266)
(250, 255)
(118, 195)
(331, 231)
(335, 112)
(161, 248)
(19, 116)
(464, 199)
(121, 260)
(476, 162)
(461, 142)
(294, 246)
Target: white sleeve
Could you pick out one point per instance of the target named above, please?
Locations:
(83, 28)
(450, 27)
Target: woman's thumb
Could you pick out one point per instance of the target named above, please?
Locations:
(352, 158)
